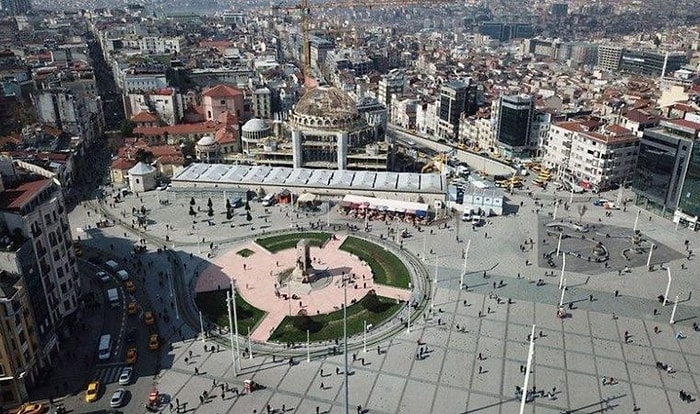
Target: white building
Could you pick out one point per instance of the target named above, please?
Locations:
(159, 44)
(594, 160)
(142, 177)
(165, 102)
(478, 134)
(262, 103)
(427, 117)
(403, 113)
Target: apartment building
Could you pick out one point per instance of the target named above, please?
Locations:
(36, 210)
(592, 159)
(609, 56)
(19, 344)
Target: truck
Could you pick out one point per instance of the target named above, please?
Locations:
(113, 297)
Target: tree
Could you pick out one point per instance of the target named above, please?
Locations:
(210, 212)
(144, 156)
(192, 201)
(192, 212)
(127, 128)
(581, 211)
(209, 203)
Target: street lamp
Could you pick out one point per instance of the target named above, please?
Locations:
(668, 285)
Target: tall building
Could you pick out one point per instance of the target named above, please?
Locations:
(560, 10)
(35, 243)
(667, 178)
(391, 84)
(515, 114)
(609, 56)
(17, 332)
(651, 62)
(590, 159)
(506, 32)
(456, 98)
(15, 7)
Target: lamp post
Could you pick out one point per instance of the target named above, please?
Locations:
(559, 242)
(201, 327)
(651, 250)
(250, 345)
(636, 220)
(464, 267)
(425, 241)
(235, 322)
(673, 312)
(668, 285)
(364, 337)
(563, 268)
(408, 316)
(436, 269)
(556, 205)
(230, 332)
(528, 368)
(345, 345)
(561, 299)
(308, 347)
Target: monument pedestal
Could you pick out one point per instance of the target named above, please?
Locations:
(299, 287)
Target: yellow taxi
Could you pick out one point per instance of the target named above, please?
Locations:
(32, 409)
(131, 308)
(92, 390)
(153, 342)
(131, 355)
(148, 318)
(130, 287)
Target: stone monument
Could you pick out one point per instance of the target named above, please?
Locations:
(303, 270)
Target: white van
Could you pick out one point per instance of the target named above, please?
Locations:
(113, 297)
(269, 200)
(467, 216)
(104, 352)
(123, 275)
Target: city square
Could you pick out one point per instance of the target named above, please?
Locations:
(474, 337)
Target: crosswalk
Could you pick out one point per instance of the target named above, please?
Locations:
(109, 374)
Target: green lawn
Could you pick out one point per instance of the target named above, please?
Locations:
(275, 244)
(386, 267)
(330, 326)
(213, 307)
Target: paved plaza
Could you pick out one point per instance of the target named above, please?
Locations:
(474, 340)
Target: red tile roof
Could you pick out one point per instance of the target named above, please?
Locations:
(222, 91)
(144, 117)
(179, 129)
(122, 164)
(686, 124)
(641, 117)
(16, 198)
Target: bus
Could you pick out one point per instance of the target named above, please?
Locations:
(105, 349)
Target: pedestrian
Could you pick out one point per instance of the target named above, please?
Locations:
(617, 293)
(321, 372)
(223, 395)
(318, 409)
(201, 399)
(196, 371)
(190, 353)
(171, 407)
(494, 285)
(379, 350)
(488, 310)
(337, 371)
(480, 357)
(590, 298)
(284, 407)
(480, 369)
(323, 387)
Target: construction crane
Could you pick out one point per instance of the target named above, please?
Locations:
(304, 8)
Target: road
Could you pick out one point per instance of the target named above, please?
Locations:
(430, 147)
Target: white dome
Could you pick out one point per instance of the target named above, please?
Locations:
(255, 125)
(206, 141)
(141, 169)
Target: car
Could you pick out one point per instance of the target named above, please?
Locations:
(131, 308)
(130, 287)
(148, 318)
(153, 342)
(31, 408)
(467, 217)
(102, 276)
(92, 392)
(125, 376)
(131, 335)
(600, 203)
(117, 398)
(131, 355)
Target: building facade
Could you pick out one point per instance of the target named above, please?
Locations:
(666, 179)
(456, 98)
(514, 120)
(609, 56)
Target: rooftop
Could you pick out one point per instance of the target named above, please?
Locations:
(313, 178)
(16, 198)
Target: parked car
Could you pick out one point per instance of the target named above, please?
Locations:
(117, 398)
(30, 408)
(131, 355)
(102, 276)
(125, 376)
(148, 318)
(132, 308)
(153, 342)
